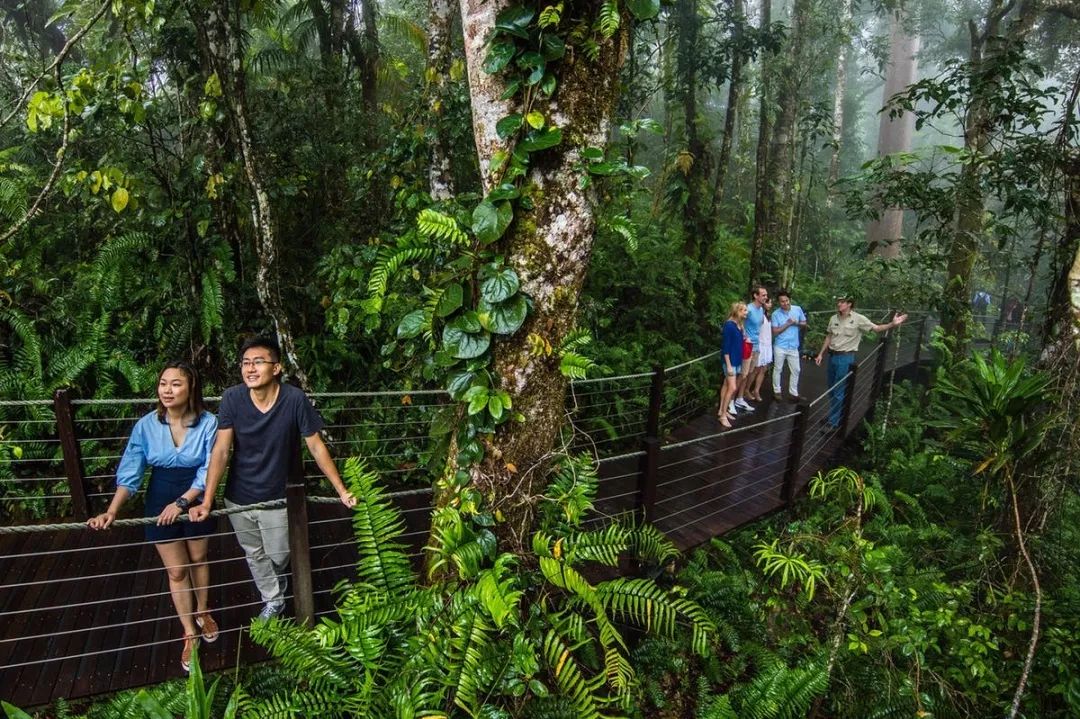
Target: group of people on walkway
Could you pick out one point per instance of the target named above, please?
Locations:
(755, 336)
(260, 422)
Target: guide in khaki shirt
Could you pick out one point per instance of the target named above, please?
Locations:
(846, 332)
(847, 327)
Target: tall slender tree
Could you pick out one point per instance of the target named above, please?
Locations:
(895, 130)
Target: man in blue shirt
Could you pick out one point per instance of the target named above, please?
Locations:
(755, 317)
(787, 321)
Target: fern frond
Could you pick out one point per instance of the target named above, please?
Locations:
(644, 603)
(212, 304)
(575, 366)
(649, 544)
(324, 668)
(601, 545)
(608, 18)
(388, 262)
(550, 16)
(498, 592)
(569, 678)
(117, 249)
(406, 29)
(623, 226)
(469, 638)
(377, 525)
(435, 225)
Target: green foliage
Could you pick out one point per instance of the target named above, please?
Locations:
(492, 638)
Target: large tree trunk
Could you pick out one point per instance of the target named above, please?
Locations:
(440, 17)
(838, 93)
(773, 224)
(987, 45)
(699, 228)
(894, 133)
(763, 195)
(221, 25)
(549, 246)
(723, 159)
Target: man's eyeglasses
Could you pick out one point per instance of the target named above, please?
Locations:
(257, 363)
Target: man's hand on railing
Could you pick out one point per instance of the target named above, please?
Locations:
(199, 512)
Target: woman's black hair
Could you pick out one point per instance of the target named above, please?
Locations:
(195, 396)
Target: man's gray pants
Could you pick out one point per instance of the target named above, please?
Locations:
(264, 536)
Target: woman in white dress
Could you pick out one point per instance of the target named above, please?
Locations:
(765, 354)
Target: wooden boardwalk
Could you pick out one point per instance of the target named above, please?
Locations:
(88, 613)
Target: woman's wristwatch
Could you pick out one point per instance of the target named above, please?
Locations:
(182, 503)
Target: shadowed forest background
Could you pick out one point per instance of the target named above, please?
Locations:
(495, 198)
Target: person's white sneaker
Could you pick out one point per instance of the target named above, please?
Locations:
(731, 408)
(744, 405)
(271, 610)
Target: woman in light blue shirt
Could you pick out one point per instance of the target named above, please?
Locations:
(175, 441)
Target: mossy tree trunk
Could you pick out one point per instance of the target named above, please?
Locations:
(996, 37)
(549, 246)
(440, 20)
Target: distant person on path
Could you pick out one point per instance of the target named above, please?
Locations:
(787, 321)
(175, 441)
(755, 316)
(980, 303)
(731, 354)
(765, 349)
(264, 419)
(842, 338)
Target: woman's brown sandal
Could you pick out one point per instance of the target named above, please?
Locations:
(208, 626)
(190, 641)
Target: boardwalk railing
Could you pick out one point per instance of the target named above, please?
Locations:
(90, 612)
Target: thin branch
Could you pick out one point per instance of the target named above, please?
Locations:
(56, 63)
(60, 155)
(1033, 643)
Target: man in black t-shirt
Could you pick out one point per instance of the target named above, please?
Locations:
(262, 420)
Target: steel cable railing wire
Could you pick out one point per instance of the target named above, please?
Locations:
(696, 489)
(131, 622)
(729, 507)
(712, 467)
(770, 478)
(732, 478)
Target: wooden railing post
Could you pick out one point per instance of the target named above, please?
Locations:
(69, 447)
(795, 451)
(650, 463)
(849, 400)
(919, 339)
(300, 553)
